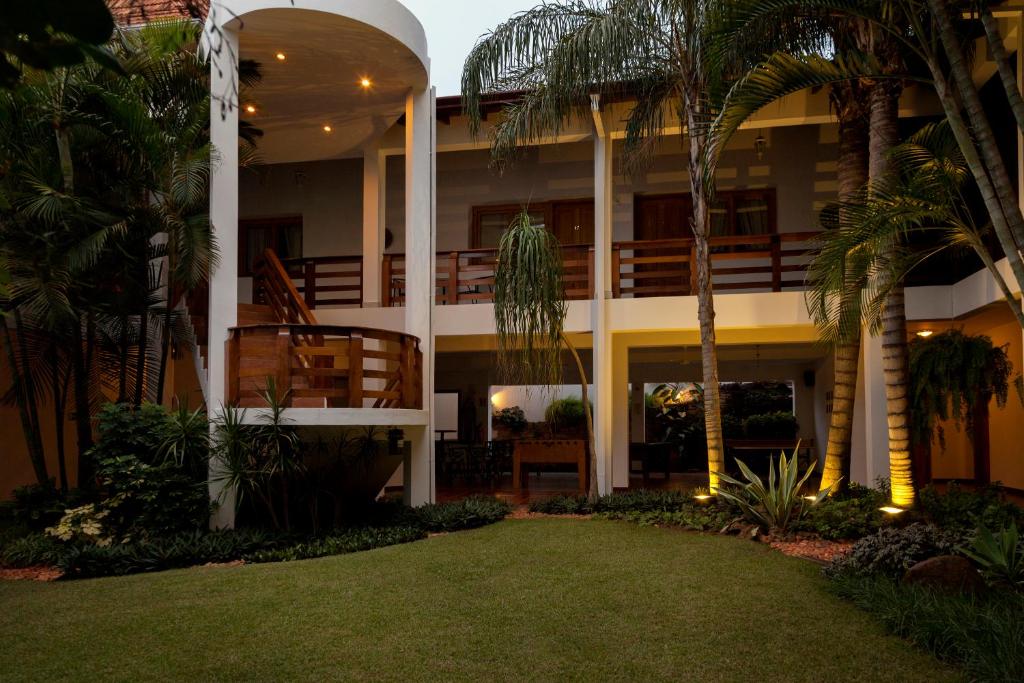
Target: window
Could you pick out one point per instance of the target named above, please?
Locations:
(733, 213)
(571, 221)
(283, 235)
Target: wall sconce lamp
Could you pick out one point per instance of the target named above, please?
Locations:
(760, 146)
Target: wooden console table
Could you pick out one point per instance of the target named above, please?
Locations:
(549, 452)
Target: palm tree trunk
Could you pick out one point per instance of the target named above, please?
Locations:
(895, 363)
(1006, 75)
(165, 344)
(987, 145)
(852, 172)
(81, 358)
(140, 361)
(592, 492)
(26, 401)
(59, 389)
(701, 227)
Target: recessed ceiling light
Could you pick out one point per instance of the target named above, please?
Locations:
(327, 129)
(924, 334)
(365, 82)
(281, 56)
(251, 108)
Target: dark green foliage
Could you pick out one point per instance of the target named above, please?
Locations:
(984, 634)
(744, 399)
(693, 516)
(778, 425)
(950, 375)
(964, 511)
(380, 525)
(891, 552)
(562, 505)
(149, 489)
(640, 500)
(469, 513)
(38, 507)
(1000, 556)
(566, 414)
(853, 514)
(79, 561)
(512, 418)
(33, 550)
(351, 541)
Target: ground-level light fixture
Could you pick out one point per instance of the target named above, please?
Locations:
(811, 498)
(702, 497)
(924, 334)
(281, 56)
(891, 510)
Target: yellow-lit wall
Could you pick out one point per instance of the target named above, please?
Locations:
(1006, 425)
(15, 467)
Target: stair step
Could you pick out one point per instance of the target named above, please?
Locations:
(256, 314)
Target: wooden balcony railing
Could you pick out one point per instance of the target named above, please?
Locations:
(750, 262)
(467, 276)
(324, 366)
(640, 268)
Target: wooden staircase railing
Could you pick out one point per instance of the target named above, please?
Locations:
(346, 367)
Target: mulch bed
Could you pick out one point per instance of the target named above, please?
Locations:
(31, 574)
(523, 512)
(814, 549)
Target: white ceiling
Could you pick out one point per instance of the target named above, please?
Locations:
(318, 83)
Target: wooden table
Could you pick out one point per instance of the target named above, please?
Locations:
(549, 452)
(773, 447)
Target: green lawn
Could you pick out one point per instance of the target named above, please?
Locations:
(521, 600)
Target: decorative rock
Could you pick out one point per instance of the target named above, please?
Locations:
(947, 573)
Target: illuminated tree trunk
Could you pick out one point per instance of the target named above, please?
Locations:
(850, 102)
(895, 364)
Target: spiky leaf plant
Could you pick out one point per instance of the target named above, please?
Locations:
(778, 503)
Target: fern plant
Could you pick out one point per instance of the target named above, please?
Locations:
(778, 503)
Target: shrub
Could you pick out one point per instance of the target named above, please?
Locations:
(891, 551)
(34, 550)
(779, 425)
(562, 505)
(845, 516)
(961, 510)
(1000, 555)
(983, 634)
(354, 540)
(566, 414)
(710, 517)
(643, 500)
(182, 550)
(472, 512)
(38, 507)
(512, 419)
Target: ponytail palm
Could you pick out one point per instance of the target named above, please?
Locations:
(529, 317)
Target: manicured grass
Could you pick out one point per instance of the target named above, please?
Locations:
(548, 599)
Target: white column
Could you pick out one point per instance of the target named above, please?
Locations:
(419, 273)
(374, 184)
(223, 312)
(602, 364)
(869, 452)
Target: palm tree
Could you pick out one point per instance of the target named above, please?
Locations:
(529, 316)
(662, 53)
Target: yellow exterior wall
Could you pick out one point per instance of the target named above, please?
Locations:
(1006, 425)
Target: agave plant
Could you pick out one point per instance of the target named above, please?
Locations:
(1000, 556)
(777, 504)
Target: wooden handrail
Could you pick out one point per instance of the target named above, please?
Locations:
(282, 296)
(339, 367)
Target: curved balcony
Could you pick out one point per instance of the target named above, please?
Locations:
(324, 366)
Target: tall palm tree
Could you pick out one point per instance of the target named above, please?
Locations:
(662, 53)
(529, 317)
